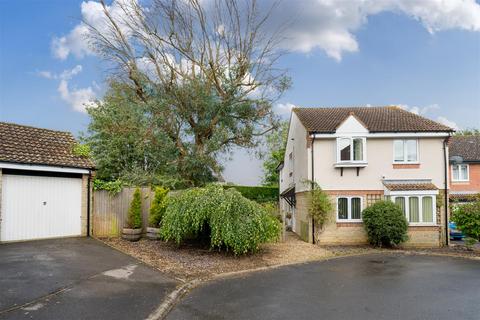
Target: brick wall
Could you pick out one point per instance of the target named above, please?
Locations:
(474, 179)
(353, 233)
(84, 214)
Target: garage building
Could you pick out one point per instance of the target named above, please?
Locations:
(45, 187)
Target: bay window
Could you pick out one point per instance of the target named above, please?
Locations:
(460, 172)
(349, 209)
(418, 209)
(351, 149)
(405, 151)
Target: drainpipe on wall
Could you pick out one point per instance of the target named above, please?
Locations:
(445, 160)
(312, 187)
(88, 202)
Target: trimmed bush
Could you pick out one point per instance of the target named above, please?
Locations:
(231, 221)
(158, 207)
(257, 194)
(467, 218)
(320, 205)
(134, 220)
(385, 224)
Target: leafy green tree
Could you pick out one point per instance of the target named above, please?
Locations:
(158, 207)
(202, 82)
(134, 220)
(276, 142)
(320, 205)
(468, 132)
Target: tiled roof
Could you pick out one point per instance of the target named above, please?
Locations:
(29, 145)
(409, 185)
(376, 119)
(467, 147)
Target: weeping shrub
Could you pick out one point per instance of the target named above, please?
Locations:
(385, 224)
(158, 207)
(134, 220)
(233, 222)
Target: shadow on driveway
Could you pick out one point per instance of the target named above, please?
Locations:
(77, 278)
(391, 286)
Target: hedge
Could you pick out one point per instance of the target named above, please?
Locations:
(257, 193)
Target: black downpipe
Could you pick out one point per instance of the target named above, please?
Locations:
(88, 203)
(445, 160)
(313, 186)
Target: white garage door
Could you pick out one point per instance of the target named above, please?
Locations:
(36, 207)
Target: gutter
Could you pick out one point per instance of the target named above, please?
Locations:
(313, 186)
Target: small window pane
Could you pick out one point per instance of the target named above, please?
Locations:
(356, 209)
(358, 149)
(344, 146)
(411, 150)
(427, 208)
(342, 208)
(401, 202)
(456, 173)
(413, 208)
(398, 149)
(463, 172)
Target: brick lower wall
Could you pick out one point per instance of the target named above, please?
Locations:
(84, 212)
(352, 233)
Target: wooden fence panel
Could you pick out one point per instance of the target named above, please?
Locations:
(110, 211)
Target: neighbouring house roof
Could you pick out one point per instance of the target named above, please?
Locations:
(376, 119)
(467, 147)
(28, 145)
(409, 185)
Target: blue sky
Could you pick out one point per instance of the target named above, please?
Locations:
(388, 55)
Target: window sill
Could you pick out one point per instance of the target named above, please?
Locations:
(421, 225)
(406, 165)
(349, 222)
(461, 181)
(350, 164)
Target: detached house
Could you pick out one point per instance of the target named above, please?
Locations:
(464, 167)
(362, 155)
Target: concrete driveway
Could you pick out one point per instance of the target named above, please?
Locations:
(77, 278)
(390, 287)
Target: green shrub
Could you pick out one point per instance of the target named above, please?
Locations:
(385, 224)
(232, 221)
(467, 218)
(113, 187)
(134, 220)
(256, 193)
(158, 207)
(320, 205)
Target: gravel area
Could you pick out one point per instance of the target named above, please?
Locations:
(189, 262)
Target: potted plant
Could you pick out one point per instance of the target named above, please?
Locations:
(159, 205)
(133, 228)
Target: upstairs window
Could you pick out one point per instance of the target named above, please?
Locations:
(460, 172)
(405, 151)
(351, 149)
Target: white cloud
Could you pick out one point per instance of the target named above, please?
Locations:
(76, 41)
(448, 123)
(314, 24)
(78, 99)
(420, 110)
(283, 109)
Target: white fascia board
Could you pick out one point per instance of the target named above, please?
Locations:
(386, 135)
(410, 193)
(34, 167)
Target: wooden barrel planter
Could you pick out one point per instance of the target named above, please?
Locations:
(131, 234)
(153, 233)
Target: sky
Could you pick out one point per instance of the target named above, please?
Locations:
(423, 55)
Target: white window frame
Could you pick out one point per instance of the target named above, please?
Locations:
(459, 173)
(349, 210)
(364, 149)
(405, 156)
(420, 207)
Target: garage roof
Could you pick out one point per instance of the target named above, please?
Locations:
(29, 145)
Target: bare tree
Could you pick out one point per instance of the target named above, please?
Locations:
(208, 67)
